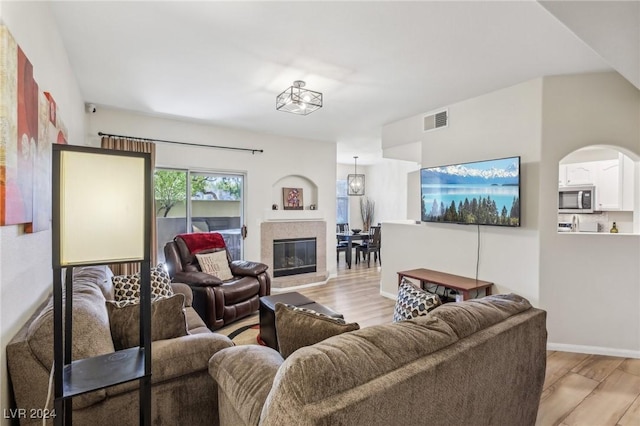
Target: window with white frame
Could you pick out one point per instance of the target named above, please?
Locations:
(342, 202)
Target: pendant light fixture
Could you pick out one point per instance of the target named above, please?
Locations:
(297, 100)
(355, 182)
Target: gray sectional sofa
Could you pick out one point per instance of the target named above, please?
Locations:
(182, 390)
(479, 362)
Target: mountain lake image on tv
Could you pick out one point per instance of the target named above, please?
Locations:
(482, 192)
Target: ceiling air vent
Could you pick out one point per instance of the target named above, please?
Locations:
(436, 121)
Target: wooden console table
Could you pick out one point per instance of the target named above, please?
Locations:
(462, 284)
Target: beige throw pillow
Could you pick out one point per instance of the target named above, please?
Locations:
(299, 327)
(168, 321)
(215, 263)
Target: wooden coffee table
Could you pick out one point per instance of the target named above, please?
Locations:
(459, 283)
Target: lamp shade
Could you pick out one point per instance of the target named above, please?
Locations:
(101, 205)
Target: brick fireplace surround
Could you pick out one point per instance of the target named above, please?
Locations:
(280, 230)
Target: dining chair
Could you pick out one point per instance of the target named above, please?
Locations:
(343, 228)
(372, 245)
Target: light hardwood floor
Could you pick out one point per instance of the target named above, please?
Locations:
(579, 389)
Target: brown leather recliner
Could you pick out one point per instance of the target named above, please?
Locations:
(218, 302)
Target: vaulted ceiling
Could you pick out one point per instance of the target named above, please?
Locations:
(223, 63)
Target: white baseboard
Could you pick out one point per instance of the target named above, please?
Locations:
(276, 290)
(388, 295)
(593, 350)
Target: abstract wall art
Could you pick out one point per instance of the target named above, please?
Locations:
(29, 124)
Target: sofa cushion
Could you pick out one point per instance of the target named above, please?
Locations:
(168, 321)
(126, 288)
(244, 375)
(91, 333)
(215, 263)
(413, 302)
(99, 275)
(376, 351)
(477, 314)
(298, 327)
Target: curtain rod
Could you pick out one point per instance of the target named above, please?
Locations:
(253, 151)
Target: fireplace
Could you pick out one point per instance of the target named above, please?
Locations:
(294, 256)
(279, 230)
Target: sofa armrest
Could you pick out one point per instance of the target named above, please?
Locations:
(197, 278)
(183, 289)
(244, 375)
(247, 268)
(179, 358)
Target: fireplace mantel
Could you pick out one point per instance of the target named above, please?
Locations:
(293, 215)
(285, 229)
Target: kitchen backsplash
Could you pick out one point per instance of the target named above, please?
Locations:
(623, 220)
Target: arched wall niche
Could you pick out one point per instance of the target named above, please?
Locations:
(617, 193)
(308, 186)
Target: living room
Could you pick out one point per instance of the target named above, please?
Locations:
(581, 316)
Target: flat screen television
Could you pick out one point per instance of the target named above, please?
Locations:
(482, 192)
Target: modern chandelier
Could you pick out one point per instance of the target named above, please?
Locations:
(297, 100)
(355, 182)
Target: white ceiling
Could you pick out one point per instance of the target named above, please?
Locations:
(375, 62)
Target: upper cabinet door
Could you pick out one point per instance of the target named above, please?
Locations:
(608, 191)
(581, 173)
(562, 175)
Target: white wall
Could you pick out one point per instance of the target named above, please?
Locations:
(386, 184)
(281, 157)
(414, 203)
(500, 124)
(25, 259)
(589, 284)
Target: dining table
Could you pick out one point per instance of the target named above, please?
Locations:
(350, 237)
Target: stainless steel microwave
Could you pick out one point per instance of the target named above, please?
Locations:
(576, 199)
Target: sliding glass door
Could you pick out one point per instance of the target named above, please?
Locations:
(196, 201)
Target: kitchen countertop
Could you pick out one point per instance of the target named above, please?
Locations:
(598, 233)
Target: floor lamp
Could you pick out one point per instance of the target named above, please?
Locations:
(101, 214)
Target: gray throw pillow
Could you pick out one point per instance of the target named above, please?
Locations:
(413, 302)
(299, 327)
(168, 321)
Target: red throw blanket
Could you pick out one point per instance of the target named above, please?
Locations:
(202, 241)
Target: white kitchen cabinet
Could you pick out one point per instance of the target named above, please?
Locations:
(562, 175)
(581, 173)
(613, 179)
(628, 183)
(614, 184)
(608, 183)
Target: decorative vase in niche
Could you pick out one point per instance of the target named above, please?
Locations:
(367, 211)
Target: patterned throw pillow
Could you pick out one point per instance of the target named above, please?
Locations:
(126, 288)
(300, 327)
(318, 314)
(216, 264)
(413, 302)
